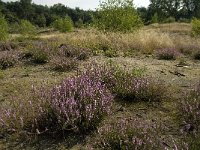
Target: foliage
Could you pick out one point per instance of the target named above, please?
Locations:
(77, 104)
(131, 134)
(40, 56)
(63, 64)
(197, 55)
(27, 29)
(2, 75)
(118, 15)
(195, 27)
(29, 114)
(63, 24)
(128, 85)
(38, 53)
(170, 20)
(154, 18)
(73, 52)
(189, 111)
(8, 59)
(8, 46)
(168, 54)
(111, 53)
(3, 29)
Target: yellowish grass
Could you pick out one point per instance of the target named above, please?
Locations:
(146, 40)
(172, 27)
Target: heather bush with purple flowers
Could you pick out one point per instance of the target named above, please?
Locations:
(80, 102)
(38, 53)
(126, 85)
(168, 54)
(73, 52)
(8, 59)
(29, 115)
(63, 64)
(189, 117)
(132, 134)
(77, 104)
(190, 111)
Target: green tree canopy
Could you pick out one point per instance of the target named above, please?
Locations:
(118, 15)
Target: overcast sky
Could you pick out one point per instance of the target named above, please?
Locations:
(84, 4)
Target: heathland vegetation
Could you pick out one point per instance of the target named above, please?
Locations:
(117, 78)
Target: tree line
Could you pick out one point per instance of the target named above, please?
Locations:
(42, 16)
(170, 10)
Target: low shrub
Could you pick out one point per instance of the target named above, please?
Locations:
(195, 27)
(64, 64)
(2, 75)
(40, 56)
(132, 134)
(28, 114)
(189, 118)
(111, 53)
(170, 20)
(168, 54)
(73, 52)
(7, 46)
(189, 49)
(80, 103)
(190, 109)
(38, 53)
(27, 29)
(63, 24)
(8, 59)
(127, 85)
(196, 55)
(76, 105)
(3, 29)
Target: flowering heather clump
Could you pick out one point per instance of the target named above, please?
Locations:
(74, 52)
(190, 111)
(8, 59)
(77, 104)
(63, 64)
(29, 114)
(126, 85)
(131, 134)
(80, 102)
(168, 54)
(189, 49)
(37, 53)
(6, 46)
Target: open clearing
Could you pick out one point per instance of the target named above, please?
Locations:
(178, 75)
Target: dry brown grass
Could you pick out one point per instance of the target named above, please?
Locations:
(183, 28)
(146, 40)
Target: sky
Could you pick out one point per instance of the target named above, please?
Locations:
(83, 4)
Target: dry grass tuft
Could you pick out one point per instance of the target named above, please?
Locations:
(146, 40)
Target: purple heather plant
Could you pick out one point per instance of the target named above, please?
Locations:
(28, 114)
(73, 52)
(80, 102)
(63, 64)
(126, 85)
(132, 134)
(7, 46)
(168, 53)
(190, 111)
(189, 49)
(8, 59)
